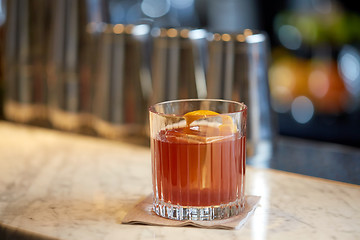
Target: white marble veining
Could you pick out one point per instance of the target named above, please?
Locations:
(65, 186)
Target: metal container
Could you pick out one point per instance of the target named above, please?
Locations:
(237, 70)
(68, 92)
(123, 81)
(178, 66)
(25, 56)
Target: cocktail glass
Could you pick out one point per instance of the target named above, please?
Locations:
(198, 158)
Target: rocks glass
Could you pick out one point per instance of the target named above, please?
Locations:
(198, 158)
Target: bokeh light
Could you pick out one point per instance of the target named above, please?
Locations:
(290, 37)
(318, 83)
(349, 66)
(197, 34)
(155, 8)
(141, 29)
(302, 109)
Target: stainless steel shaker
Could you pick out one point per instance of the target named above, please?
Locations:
(237, 71)
(25, 56)
(123, 84)
(178, 64)
(68, 92)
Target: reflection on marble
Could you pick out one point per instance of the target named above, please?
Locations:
(64, 186)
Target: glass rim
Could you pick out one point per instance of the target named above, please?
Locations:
(152, 107)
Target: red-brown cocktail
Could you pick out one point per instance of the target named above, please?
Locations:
(198, 159)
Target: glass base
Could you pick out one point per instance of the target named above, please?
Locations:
(207, 213)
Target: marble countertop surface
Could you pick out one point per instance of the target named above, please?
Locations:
(56, 185)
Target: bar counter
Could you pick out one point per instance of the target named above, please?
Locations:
(56, 185)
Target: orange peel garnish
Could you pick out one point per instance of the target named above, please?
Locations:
(198, 114)
(226, 127)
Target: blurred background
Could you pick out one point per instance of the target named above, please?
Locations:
(64, 62)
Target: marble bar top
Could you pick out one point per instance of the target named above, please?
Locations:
(56, 185)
